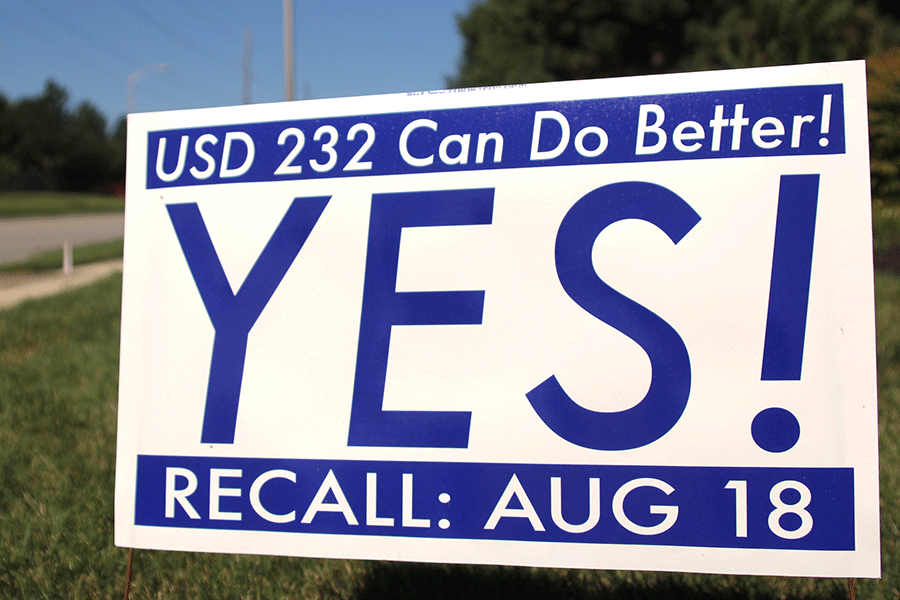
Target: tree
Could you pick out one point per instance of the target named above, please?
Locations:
(884, 126)
(39, 128)
(521, 41)
(118, 143)
(88, 158)
(756, 33)
(9, 169)
(43, 145)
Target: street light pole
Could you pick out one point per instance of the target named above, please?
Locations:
(137, 76)
(288, 6)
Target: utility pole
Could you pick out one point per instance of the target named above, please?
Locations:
(247, 66)
(288, 49)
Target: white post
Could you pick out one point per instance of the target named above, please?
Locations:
(68, 264)
(247, 66)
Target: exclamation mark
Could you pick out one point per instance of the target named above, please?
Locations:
(776, 429)
(826, 119)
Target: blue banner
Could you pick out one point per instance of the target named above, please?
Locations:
(724, 507)
(780, 121)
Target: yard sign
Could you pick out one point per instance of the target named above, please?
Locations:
(617, 324)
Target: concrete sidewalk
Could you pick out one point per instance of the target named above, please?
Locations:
(16, 288)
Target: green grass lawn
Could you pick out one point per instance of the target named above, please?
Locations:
(46, 204)
(58, 387)
(53, 259)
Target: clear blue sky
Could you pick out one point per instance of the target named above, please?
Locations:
(353, 48)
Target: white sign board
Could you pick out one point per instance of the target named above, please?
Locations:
(619, 324)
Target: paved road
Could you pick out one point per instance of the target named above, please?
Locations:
(19, 238)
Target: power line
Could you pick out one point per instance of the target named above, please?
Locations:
(213, 20)
(86, 35)
(234, 67)
(98, 52)
(171, 33)
(204, 16)
(76, 56)
(173, 80)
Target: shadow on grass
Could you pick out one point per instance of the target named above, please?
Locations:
(399, 581)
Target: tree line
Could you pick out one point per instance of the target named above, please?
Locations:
(528, 41)
(46, 146)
